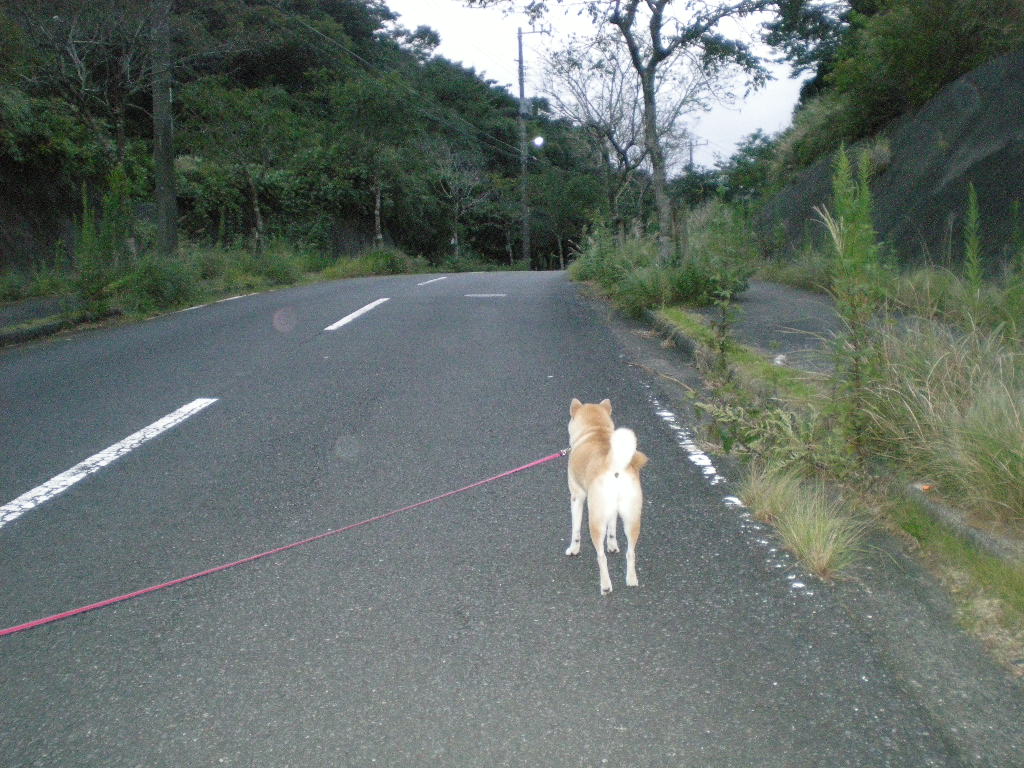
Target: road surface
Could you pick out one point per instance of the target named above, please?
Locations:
(458, 634)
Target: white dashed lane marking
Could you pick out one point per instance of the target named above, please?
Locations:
(40, 494)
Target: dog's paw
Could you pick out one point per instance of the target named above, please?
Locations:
(574, 549)
(613, 545)
(632, 580)
(606, 590)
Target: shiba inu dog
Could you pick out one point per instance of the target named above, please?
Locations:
(604, 471)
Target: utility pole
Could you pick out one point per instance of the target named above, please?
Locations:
(524, 148)
(693, 143)
(523, 156)
(163, 131)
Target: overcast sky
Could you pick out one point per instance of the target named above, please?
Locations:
(485, 39)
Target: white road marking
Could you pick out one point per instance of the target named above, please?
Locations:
(211, 303)
(358, 313)
(485, 295)
(428, 282)
(27, 501)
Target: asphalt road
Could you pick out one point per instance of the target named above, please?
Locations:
(458, 634)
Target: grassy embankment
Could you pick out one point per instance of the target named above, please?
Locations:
(926, 384)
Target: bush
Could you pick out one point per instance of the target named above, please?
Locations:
(158, 284)
(279, 264)
(629, 272)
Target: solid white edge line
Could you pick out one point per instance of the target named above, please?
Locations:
(428, 282)
(27, 501)
(358, 313)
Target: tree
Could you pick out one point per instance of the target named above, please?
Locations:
(94, 55)
(656, 37)
(592, 83)
(746, 174)
(163, 131)
(251, 132)
(378, 127)
(696, 41)
(811, 33)
(463, 184)
(608, 108)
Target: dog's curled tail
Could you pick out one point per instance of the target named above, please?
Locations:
(623, 448)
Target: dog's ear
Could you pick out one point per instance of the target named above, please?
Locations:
(574, 406)
(607, 405)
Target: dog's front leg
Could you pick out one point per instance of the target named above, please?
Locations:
(576, 498)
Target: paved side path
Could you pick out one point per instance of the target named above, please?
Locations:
(780, 320)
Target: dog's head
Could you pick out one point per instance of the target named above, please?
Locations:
(584, 416)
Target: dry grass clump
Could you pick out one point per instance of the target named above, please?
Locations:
(815, 527)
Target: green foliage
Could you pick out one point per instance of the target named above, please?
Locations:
(885, 63)
(44, 133)
(899, 58)
(972, 242)
(292, 123)
(747, 173)
(158, 284)
(102, 252)
(629, 272)
(858, 291)
(378, 261)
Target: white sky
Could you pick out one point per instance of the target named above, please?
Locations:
(485, 39)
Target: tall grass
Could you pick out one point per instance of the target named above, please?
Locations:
(717, 264)
(143, 285)
(948, 405)
(813, 524)
(941, 295)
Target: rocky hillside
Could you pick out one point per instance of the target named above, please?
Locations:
(972, 131)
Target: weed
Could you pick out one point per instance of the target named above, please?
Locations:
(157, 284)
(972, 242)
(856, 290)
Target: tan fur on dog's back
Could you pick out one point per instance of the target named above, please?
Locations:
(593, 456)
(604, 471)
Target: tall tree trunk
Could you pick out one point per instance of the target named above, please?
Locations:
(659, 177)
(257, 214)
(455, 237)
(166, 197)
(378, 193)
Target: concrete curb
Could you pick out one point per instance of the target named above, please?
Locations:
(997, 546)
(14, 335)
(683, 343)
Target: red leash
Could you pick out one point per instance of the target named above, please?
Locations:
(268, 553)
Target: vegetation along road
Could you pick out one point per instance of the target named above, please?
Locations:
(457, 634)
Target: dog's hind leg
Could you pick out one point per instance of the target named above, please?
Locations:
(599, 521)
(576, 499)
(631, 526)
